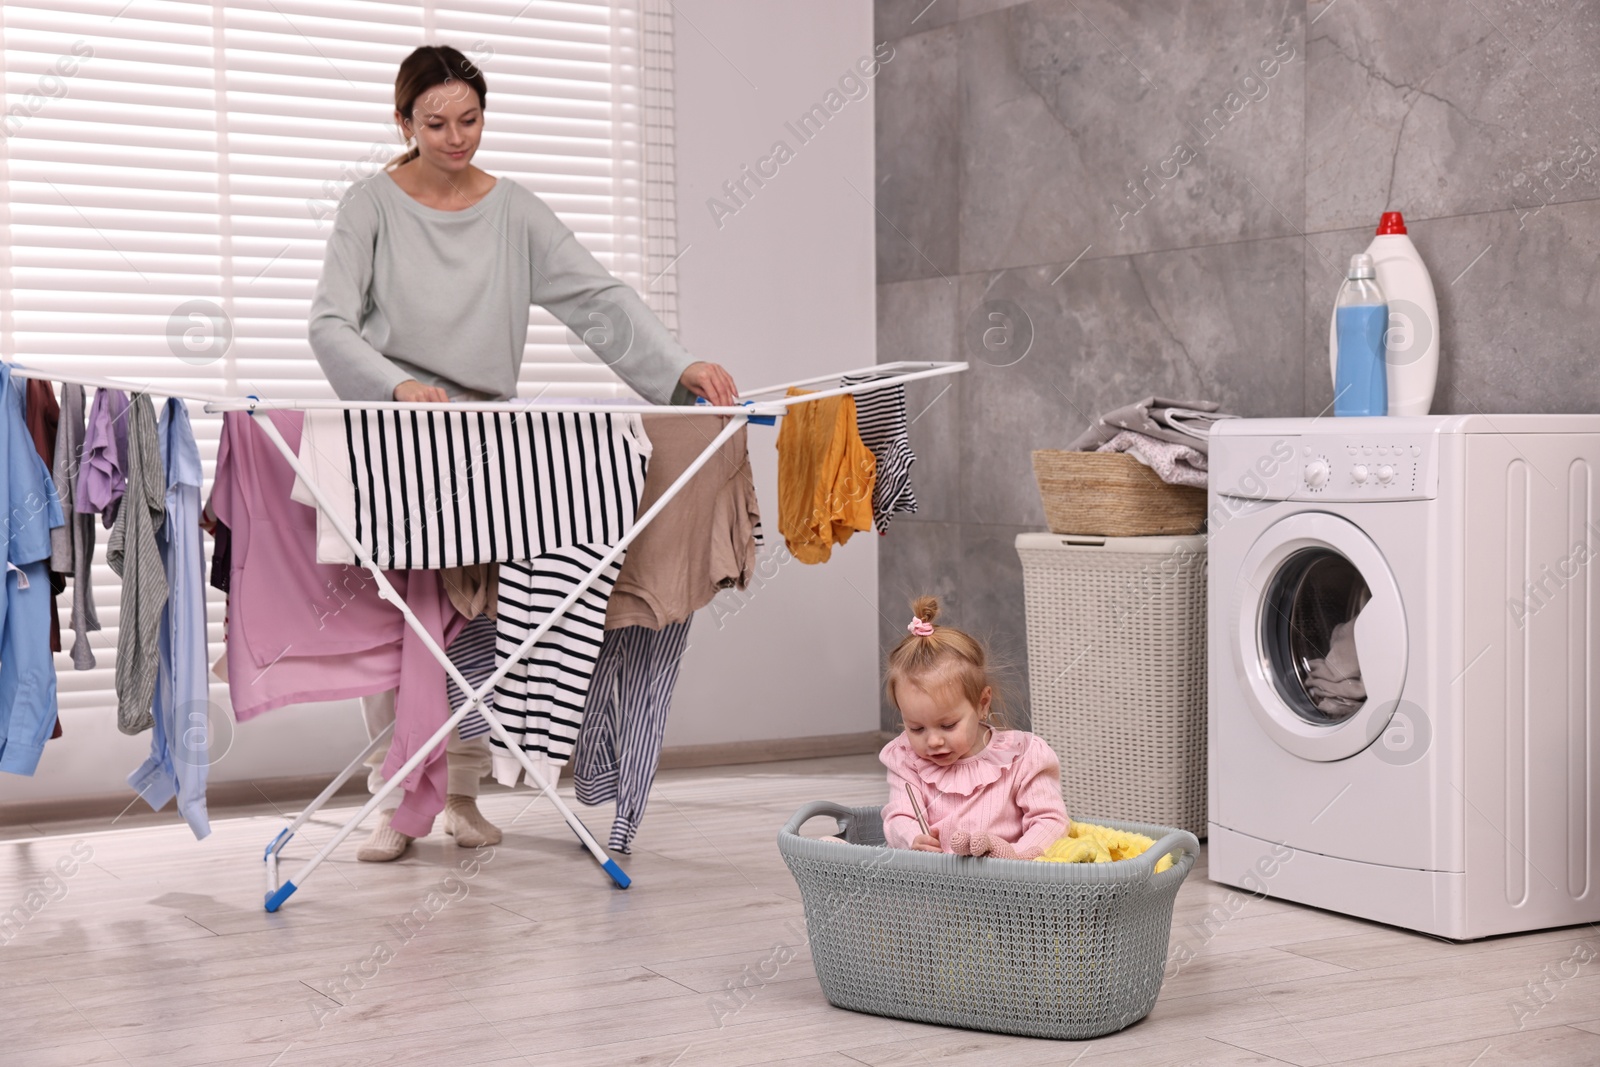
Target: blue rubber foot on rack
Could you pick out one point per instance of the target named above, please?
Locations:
(276, 898)
(618, 875)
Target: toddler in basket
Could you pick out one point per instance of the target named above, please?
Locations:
(984, 790)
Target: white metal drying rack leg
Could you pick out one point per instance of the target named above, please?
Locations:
(278, 893)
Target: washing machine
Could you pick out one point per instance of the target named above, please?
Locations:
(1402, 684)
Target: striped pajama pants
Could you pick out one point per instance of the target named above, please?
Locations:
(626, 717)
(472, 652)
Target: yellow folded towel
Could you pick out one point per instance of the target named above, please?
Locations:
(1087, 843)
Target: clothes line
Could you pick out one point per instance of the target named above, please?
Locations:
(892, 376)
(896, 373)
(882, 376)
(19, 370)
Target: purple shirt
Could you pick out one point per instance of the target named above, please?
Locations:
(102, 479)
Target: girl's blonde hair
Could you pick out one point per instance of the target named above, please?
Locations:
(945, 657)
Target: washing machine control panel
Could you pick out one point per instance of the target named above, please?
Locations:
(1332, 467)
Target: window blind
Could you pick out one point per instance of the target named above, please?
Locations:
(170, 170)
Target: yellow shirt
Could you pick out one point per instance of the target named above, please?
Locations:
(825, 477)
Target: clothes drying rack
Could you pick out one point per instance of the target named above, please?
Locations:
(752, 410)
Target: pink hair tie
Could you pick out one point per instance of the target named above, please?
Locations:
(920, 628)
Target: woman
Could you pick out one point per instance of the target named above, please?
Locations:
(426, 284)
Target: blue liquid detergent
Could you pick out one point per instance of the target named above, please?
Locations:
(1361, 385)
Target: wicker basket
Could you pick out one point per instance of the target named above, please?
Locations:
(1117, 671)
(1057, 950)
(1111, 494)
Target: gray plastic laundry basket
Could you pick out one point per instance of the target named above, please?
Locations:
(1058, 950)
(1117, 671)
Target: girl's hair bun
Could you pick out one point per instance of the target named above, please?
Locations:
(925, 608)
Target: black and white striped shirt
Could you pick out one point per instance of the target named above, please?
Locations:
(432, 489)
(881, 421)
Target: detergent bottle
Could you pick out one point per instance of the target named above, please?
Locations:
(1411, 345)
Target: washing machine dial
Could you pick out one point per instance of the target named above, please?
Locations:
(1385, 474)
(1358, 473)
(1317, 473)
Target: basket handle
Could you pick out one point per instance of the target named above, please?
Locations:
(840, 814)
(1177, 841)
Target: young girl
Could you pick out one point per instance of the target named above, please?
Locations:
(984, 791)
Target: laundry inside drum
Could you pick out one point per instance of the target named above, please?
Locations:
(1308, 635)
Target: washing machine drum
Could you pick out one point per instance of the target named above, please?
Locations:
(1319, 636)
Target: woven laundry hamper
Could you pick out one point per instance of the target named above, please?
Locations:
(1117, 671)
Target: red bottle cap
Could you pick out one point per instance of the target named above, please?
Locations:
(1392, 222)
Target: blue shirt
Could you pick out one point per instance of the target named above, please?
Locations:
(27, 672)
(180, 742)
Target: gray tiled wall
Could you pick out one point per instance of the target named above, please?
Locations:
(1262, 140)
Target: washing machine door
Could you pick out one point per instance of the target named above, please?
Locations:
(1319, 636)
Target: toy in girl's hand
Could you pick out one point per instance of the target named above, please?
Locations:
(963, 843)
(926, 841)
(957, 783)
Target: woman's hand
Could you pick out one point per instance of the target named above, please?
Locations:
(711, 381)
(928, 842)
(412, 391)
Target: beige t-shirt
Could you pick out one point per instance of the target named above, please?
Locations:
(703, 540)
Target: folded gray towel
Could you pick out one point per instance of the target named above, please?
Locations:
(1185, 422)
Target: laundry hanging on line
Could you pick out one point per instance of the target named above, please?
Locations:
(27, 673)
(430, 489)
(43, 417)
(703, 540)
(881, 421)
(825, 477)
(142, 512)
(544, 494)
(72, 544)
(135, 556)
(179, 760)
(301, 631)
(102, 477)
(625, 721)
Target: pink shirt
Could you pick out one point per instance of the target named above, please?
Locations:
(1012, 788)
(300, 631)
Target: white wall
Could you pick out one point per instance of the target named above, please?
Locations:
(92, 759)
(782, 290)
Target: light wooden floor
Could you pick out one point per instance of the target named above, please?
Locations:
(157, 951)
